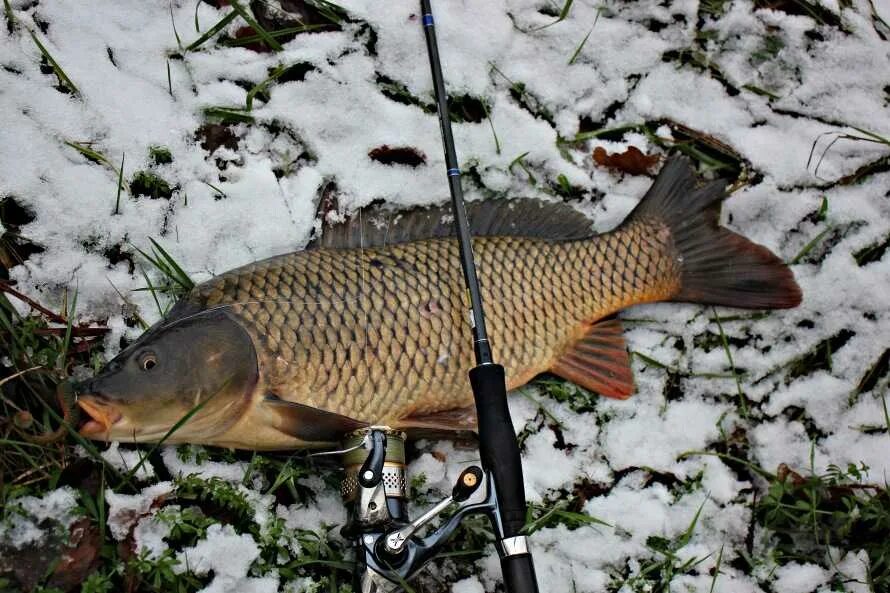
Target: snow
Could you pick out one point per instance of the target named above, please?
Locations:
(178, 467)
(124, 510)
(795, 577)
(28, 517)
(322, 128)
(149, 534)
(470, 585)
(228, 555)
(125, 460)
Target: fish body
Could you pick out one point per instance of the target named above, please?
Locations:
(311, 344)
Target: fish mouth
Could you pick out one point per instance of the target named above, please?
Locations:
(102, 416)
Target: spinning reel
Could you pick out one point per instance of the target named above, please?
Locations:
(389, 549)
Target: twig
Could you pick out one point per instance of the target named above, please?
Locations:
(5, 380)
(5, 287)
(76, 332)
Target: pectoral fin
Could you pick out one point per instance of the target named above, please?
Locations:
(307, 423)
(599, 361)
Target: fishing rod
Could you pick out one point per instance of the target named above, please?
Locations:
(497, 441)
(388, 549)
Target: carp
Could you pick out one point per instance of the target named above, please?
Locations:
(369, 325)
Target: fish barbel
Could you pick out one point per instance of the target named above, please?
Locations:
(296, 350)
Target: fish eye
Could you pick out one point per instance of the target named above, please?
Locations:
(148, 361)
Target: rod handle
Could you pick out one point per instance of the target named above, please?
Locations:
(497, 445)
(519, 574)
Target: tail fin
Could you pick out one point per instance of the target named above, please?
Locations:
(719, 267)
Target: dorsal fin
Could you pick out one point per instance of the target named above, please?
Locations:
(379, 225)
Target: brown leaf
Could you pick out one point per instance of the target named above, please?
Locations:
(79, 559)
(632, 161)
(784, 472)
(213, 136)
(259, 47)
(397, 155)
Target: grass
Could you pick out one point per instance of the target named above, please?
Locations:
(563, 15)
(177, 282)
(558, 513)
(260, 31)
(834, 137)
(64, 80)
(743, 404)
(655, 574)
(120, 186)
(91, 154)
(807, 514)
(328, 10)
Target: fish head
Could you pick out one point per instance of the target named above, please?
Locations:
(196, 374)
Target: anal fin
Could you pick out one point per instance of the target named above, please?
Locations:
(446, 422)
(599, 361)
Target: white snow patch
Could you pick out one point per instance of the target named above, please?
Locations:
(229, 556)
(795, 577)
(125, 461)
(230, 472)
(124, 510)
(27, 516)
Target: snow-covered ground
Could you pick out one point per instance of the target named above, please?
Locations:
(665, 63)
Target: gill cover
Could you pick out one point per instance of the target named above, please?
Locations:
(204, 360)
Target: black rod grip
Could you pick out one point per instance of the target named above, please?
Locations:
(497, 444)
(519, 574)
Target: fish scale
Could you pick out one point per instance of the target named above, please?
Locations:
(359, 338)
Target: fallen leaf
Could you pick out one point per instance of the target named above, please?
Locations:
(256, 46)
(398, 155)
(213, 136)
(79, 559)
(632, 161)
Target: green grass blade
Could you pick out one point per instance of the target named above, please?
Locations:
(10, 16)
(810, 245)
(584, 136)
(248, 18)
(563, 14)
(649, 361)
(228, 114)
(248, 39)
(743, 404)
(90, 154)
(248, 106)
(180, 277)
(60, 74)
(219, 26)
(886, 414)
(578, 49)
(760, 91)
(874, 137)
(120, 183)
(153, 292)
(753, 467)
(179, 424)
(197, 24)
(497, 143)
(66, 341)
(175, 32)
